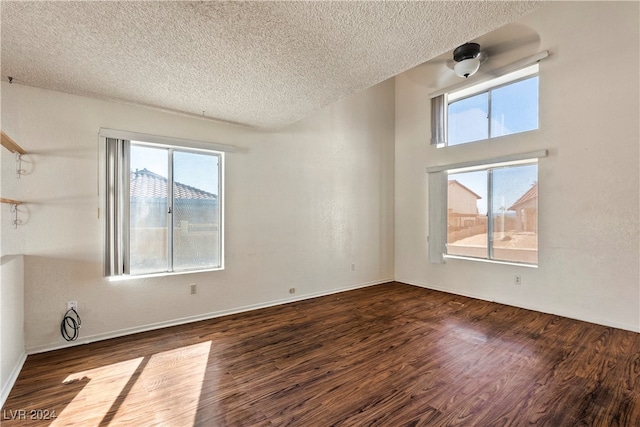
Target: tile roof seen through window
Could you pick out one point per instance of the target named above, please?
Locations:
(146, 184)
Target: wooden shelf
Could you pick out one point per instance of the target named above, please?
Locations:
(10, 201)
(11, 145)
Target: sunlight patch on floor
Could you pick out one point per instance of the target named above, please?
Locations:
(120, 394)
(103, 386)
(171, 381)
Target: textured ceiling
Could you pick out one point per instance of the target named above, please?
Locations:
(262, 64)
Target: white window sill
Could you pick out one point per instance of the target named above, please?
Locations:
(147, 276)
(490, 261)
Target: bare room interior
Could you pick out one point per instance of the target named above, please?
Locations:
(320, 213)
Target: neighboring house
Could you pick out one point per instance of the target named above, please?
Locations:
(462, 206)
(526, 208)
(195, 214)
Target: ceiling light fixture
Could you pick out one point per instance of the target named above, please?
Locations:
(467, 59)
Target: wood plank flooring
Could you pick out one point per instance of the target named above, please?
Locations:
(387, 355)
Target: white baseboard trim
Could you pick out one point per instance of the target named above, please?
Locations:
(447, 291)
(197, 318)
(8, 385)
(598, 321)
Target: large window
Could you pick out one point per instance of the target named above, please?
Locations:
(486, 208)
(492, 213)
(164, 208)
(499, 107)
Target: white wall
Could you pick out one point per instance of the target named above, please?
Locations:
(12, 348)
(302, 205)
(12, 352)
(589, 184)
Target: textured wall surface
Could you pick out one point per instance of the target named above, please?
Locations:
(589, 185)
(302, 205)
(12, 354)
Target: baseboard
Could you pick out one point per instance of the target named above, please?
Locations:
(447, 291)
(6, 387)
(197, 318)
(601, 322)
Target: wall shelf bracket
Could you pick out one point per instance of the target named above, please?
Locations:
(12, 146)
(14, 215)
(19, 170)
(13, 207)
(18, 151)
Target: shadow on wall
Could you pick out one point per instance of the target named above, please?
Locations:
(43, 272)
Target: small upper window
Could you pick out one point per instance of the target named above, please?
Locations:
(499, 107)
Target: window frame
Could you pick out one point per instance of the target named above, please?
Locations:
(117, 196)
(440, 103)
(490, 214)
(437, 202)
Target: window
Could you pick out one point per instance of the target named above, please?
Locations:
(485, 209)
(492, 213)
(499, 107)
(164, 207)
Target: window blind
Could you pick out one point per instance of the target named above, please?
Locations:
(437, 216)
(116, 209)
(438, 120)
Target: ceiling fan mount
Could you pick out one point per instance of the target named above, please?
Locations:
(489, 52)
(468, 59)
(466, 51)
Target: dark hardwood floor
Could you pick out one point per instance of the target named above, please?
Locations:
(387, 355)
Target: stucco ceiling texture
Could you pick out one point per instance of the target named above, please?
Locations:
(260, 64)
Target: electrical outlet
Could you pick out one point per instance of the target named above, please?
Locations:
(292, 290)
(353, 266)
(194, 288)
(72, 304)
(517, 280)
